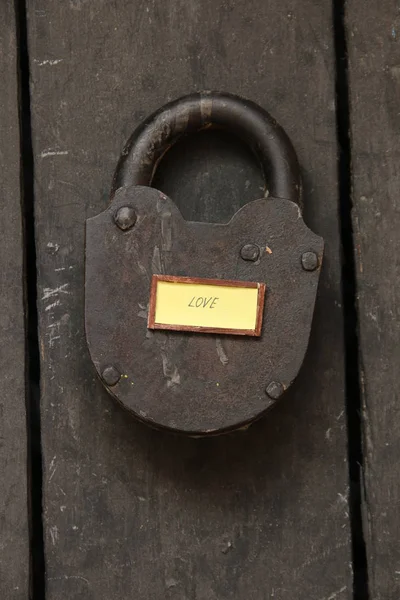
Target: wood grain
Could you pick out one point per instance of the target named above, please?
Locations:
(131, 512)
(14, 535)
(374, 60)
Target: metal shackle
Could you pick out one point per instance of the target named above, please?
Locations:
(195, 112)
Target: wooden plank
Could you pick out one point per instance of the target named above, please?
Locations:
(374, 61)
(14, 537)
(131, 512)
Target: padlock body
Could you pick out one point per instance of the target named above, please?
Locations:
(188, 382)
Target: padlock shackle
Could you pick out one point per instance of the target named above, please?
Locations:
(198, 111)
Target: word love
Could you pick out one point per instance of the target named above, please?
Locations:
(206, 305)
(202, 302)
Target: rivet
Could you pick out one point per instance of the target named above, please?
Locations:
(110, 375)
(125, 218)
(250, 252)
(275, 390)
(309, 261)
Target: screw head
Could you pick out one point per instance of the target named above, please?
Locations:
(250, 252)
(274, 390)
(309, 261)
(125, 218)
(110, 375)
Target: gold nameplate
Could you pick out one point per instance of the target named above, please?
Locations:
(206, 305)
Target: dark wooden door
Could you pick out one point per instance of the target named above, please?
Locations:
(116, 510)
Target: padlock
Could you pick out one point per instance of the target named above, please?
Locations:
(219, 361)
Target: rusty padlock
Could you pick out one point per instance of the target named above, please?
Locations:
(186, 380)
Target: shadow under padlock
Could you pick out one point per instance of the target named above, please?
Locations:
(186, 381)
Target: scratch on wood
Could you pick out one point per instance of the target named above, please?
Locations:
(336, 594)
(68, 577)
(315, 558)
(49, 292)
(54, 247)
(50, 152)
(52, 305)
(53, 534)
(52, 339)
(42, 63)
(52, 467)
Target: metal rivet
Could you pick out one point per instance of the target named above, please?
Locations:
(309, 261)
(110, 376)
(275, 390)
(125, 218)
(250, 252)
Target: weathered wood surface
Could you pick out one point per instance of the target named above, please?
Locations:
(374, 61)
(14, 535)
(131, 512)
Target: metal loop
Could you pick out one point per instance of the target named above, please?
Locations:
(195, 112)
